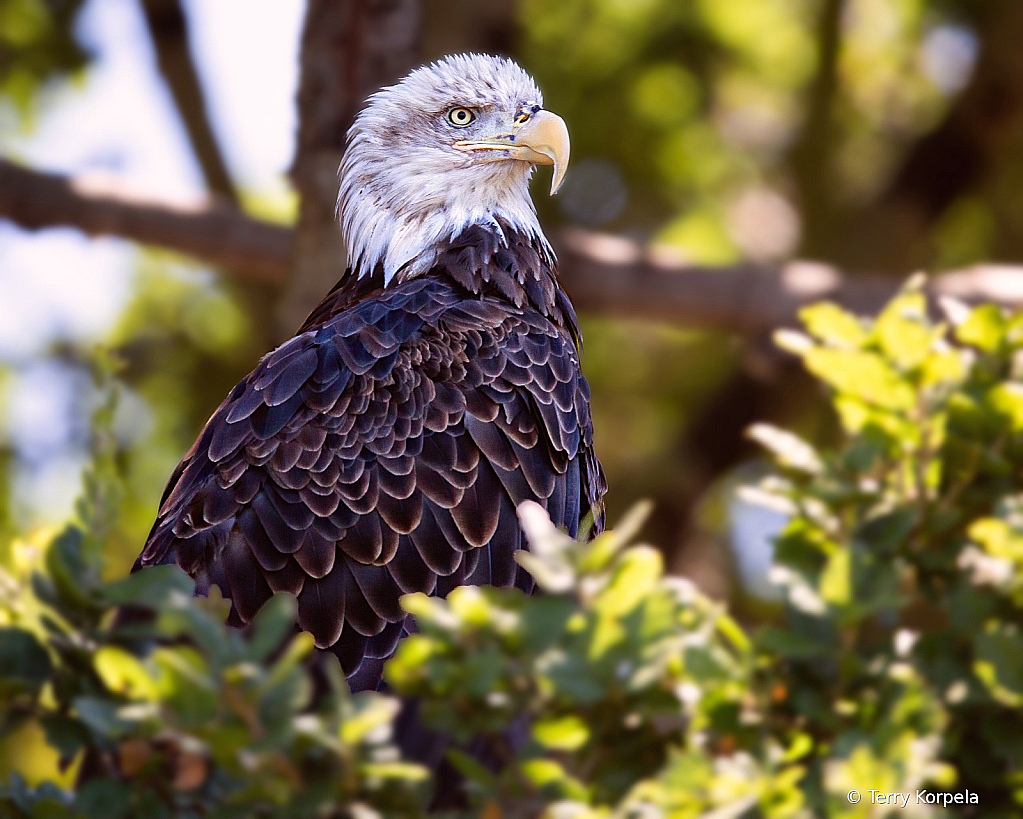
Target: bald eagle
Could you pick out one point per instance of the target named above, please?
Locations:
(384, 449)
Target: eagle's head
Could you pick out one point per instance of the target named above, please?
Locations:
(451, 145)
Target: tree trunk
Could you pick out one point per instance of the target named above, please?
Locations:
(350, 48)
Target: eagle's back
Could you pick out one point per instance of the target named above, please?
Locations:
(385, 448)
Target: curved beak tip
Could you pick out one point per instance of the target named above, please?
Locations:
(559, 178)
(547, 135)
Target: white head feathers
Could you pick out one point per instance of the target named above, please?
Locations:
(404, 186)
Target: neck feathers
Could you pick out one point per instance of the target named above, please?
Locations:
(498, 261)
(494, 260)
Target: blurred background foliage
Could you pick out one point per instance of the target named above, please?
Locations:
(747, 129)
(880, 135)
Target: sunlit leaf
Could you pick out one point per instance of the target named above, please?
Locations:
(367, 713)
(635, 578)
(829, 322)
(561, 733)
(984, 329)
(1007, 401)
(904, 336)
(943, 368)
(864, 375)
(124, 674)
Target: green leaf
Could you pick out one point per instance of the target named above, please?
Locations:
(124, 674)
(544, 621)
(792, 644)
(149, 587)
(100, 715)
(864, 375)
(567, 733)
(273, 624)
(105, 798)
(884, 533)
(830, 323)
(74, 579)
(999, 663)
(25, 665)
(67, 735)
(984, 329)
(471, 769)
(571, 676)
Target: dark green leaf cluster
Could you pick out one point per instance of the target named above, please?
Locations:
(175, 714)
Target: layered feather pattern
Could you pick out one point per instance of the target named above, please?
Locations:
(384, 449)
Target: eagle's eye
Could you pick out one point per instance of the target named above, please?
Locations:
(460, 117)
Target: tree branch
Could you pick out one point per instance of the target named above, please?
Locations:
(168, 29)
(350, 48)
(604, 274)
(618, 277)
(211, 232)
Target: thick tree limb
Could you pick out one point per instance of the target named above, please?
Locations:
(211, 232)
(618, 277)
(604, 275)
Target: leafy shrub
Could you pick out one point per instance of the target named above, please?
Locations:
(617, 692)
(901, 659)
(178, 715)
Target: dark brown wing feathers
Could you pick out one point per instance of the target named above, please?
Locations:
(385, 448)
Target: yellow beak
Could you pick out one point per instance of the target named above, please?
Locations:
(542, 140)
